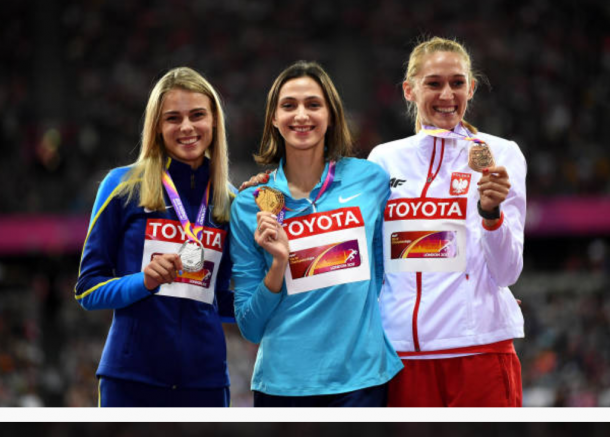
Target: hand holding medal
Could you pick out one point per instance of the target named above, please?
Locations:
(493, 185)
(162, 269)
(271, 201)
(269, 233)
(493, 189)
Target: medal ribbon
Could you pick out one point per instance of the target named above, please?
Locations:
(330, 177)
(194, 233)
(444, 133)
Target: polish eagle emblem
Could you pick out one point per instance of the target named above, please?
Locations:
(459, 185)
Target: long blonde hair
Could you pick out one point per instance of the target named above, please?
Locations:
(338, 140)
(433, 45)
(144, 179)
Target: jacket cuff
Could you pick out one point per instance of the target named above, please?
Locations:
(138, 279)
(496, 226)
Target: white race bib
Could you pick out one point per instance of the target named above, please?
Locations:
(425, 235)
(166, 236)
(326, 249)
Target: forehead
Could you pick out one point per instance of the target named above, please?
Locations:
(180, 99)
(301, 87)
(443, 64)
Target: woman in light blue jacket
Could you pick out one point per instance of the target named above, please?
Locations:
(307, 260)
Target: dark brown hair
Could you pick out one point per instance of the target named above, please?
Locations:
(338, 139)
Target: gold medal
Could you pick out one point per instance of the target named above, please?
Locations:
(270, 200)
(480, 157)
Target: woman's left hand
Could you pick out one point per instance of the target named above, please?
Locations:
(261, 178)
(493, 187)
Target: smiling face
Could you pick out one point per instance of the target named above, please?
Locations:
(441, 89)
(187, 125)
(302, 115)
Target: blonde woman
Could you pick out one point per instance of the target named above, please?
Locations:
(453, 243)
(156, 253)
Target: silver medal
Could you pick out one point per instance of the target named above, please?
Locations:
(191, 254)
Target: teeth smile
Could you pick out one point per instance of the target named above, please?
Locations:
(188, 141)
(445, 110)
(302, 128)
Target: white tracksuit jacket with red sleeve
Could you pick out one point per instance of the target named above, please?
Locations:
(445, 291)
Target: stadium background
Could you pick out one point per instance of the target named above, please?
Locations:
(74, 80)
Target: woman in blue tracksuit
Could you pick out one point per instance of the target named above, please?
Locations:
(307, 276)
(156, 252)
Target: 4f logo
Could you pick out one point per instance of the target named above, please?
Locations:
(395, 182)
(460, 183)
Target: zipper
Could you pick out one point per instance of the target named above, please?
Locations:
(418, 275)
(415, 312)
(432, 176)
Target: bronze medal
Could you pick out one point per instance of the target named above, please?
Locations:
(480, 157)
(270, 200)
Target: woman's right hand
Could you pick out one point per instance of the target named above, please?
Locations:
(270, 235)
(162, 269)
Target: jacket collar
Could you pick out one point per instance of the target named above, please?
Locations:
(179, 171)
(426, 141)
(279, 181)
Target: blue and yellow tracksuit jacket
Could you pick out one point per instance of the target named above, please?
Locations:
(165, 339)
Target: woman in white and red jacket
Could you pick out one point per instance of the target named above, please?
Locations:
(453, 243)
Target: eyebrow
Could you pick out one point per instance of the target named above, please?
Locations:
(178, 112)
(440, 75)
(306, 98)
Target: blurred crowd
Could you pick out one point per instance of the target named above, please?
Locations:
(74, 81)
(75, 78)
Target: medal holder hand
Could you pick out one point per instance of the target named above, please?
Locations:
(162, 269)
(270, 235)
(493, 187)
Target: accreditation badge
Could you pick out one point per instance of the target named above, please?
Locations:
(326, 249)
(425, 235)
